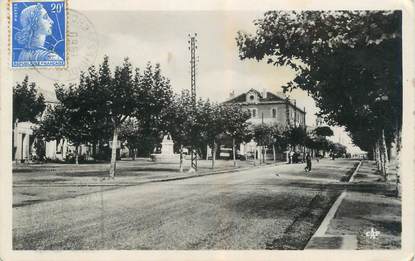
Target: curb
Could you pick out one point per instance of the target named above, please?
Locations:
(195, 175)
(355, 171)
(322, 229)
(217, 172)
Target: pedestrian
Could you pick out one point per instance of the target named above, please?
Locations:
(308, 162)
(291, 154)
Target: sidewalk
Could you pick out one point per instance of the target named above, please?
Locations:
(367, 215)
(37, 183)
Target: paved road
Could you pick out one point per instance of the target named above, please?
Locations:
(272, 207)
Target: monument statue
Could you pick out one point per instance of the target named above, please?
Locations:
(167, 151)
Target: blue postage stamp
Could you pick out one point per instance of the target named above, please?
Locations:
(38, 34)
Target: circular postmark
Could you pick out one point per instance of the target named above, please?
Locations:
(81, 49)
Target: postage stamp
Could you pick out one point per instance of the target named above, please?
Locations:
(38, 34)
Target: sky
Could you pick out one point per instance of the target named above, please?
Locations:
(162, 37)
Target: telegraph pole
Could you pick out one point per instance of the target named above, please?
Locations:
(193, 59)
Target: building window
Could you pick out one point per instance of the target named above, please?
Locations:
(274, 112)
(253, 113)
(251, 97)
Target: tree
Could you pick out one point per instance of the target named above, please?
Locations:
(110, 99)
(154, 98)
(92, 99)
(181, 122)
(236, 125)
(51, 126)
(126, 94)
(131, 131)
(337, 149)
(279, 139)
(296, 136)
(319, 141)
(120, 102)
(350, 62)
(28, 104)
(324, 131)
(65, 120)
(211, 122)
(263, 137)
(310, 142)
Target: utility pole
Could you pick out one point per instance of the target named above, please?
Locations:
(193, 59)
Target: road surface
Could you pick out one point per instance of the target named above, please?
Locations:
(276, 207)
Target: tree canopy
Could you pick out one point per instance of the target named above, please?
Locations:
(65, 120)
(348, 61)
(28, 103)
(324, 131)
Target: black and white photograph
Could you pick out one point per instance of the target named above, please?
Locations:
(218, 129)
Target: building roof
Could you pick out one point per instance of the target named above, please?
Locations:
(270, 98)
(242, 97)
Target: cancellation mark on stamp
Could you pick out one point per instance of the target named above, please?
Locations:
(82, 44)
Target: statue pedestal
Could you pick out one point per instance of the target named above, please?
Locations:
(174, 158)
(167, 155)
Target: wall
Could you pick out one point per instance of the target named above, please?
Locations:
(265, 110)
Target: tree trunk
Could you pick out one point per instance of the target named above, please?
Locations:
(398, 150)
(377, 155)
(273, 152)
(233, 152)
(77, 154)
(114, 153)
(63, 143)
(213, 154)
(380, 157)
(385, 155)
(181, 158)
(94, 150)
(259, 153)
(207, 152)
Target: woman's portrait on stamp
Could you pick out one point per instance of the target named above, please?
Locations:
(36, 25)
(30, 38)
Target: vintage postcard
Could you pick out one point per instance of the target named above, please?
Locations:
(204, 130)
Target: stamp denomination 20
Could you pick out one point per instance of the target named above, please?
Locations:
(38, 34)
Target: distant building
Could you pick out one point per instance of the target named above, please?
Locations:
(269, 108)
(24, 143)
